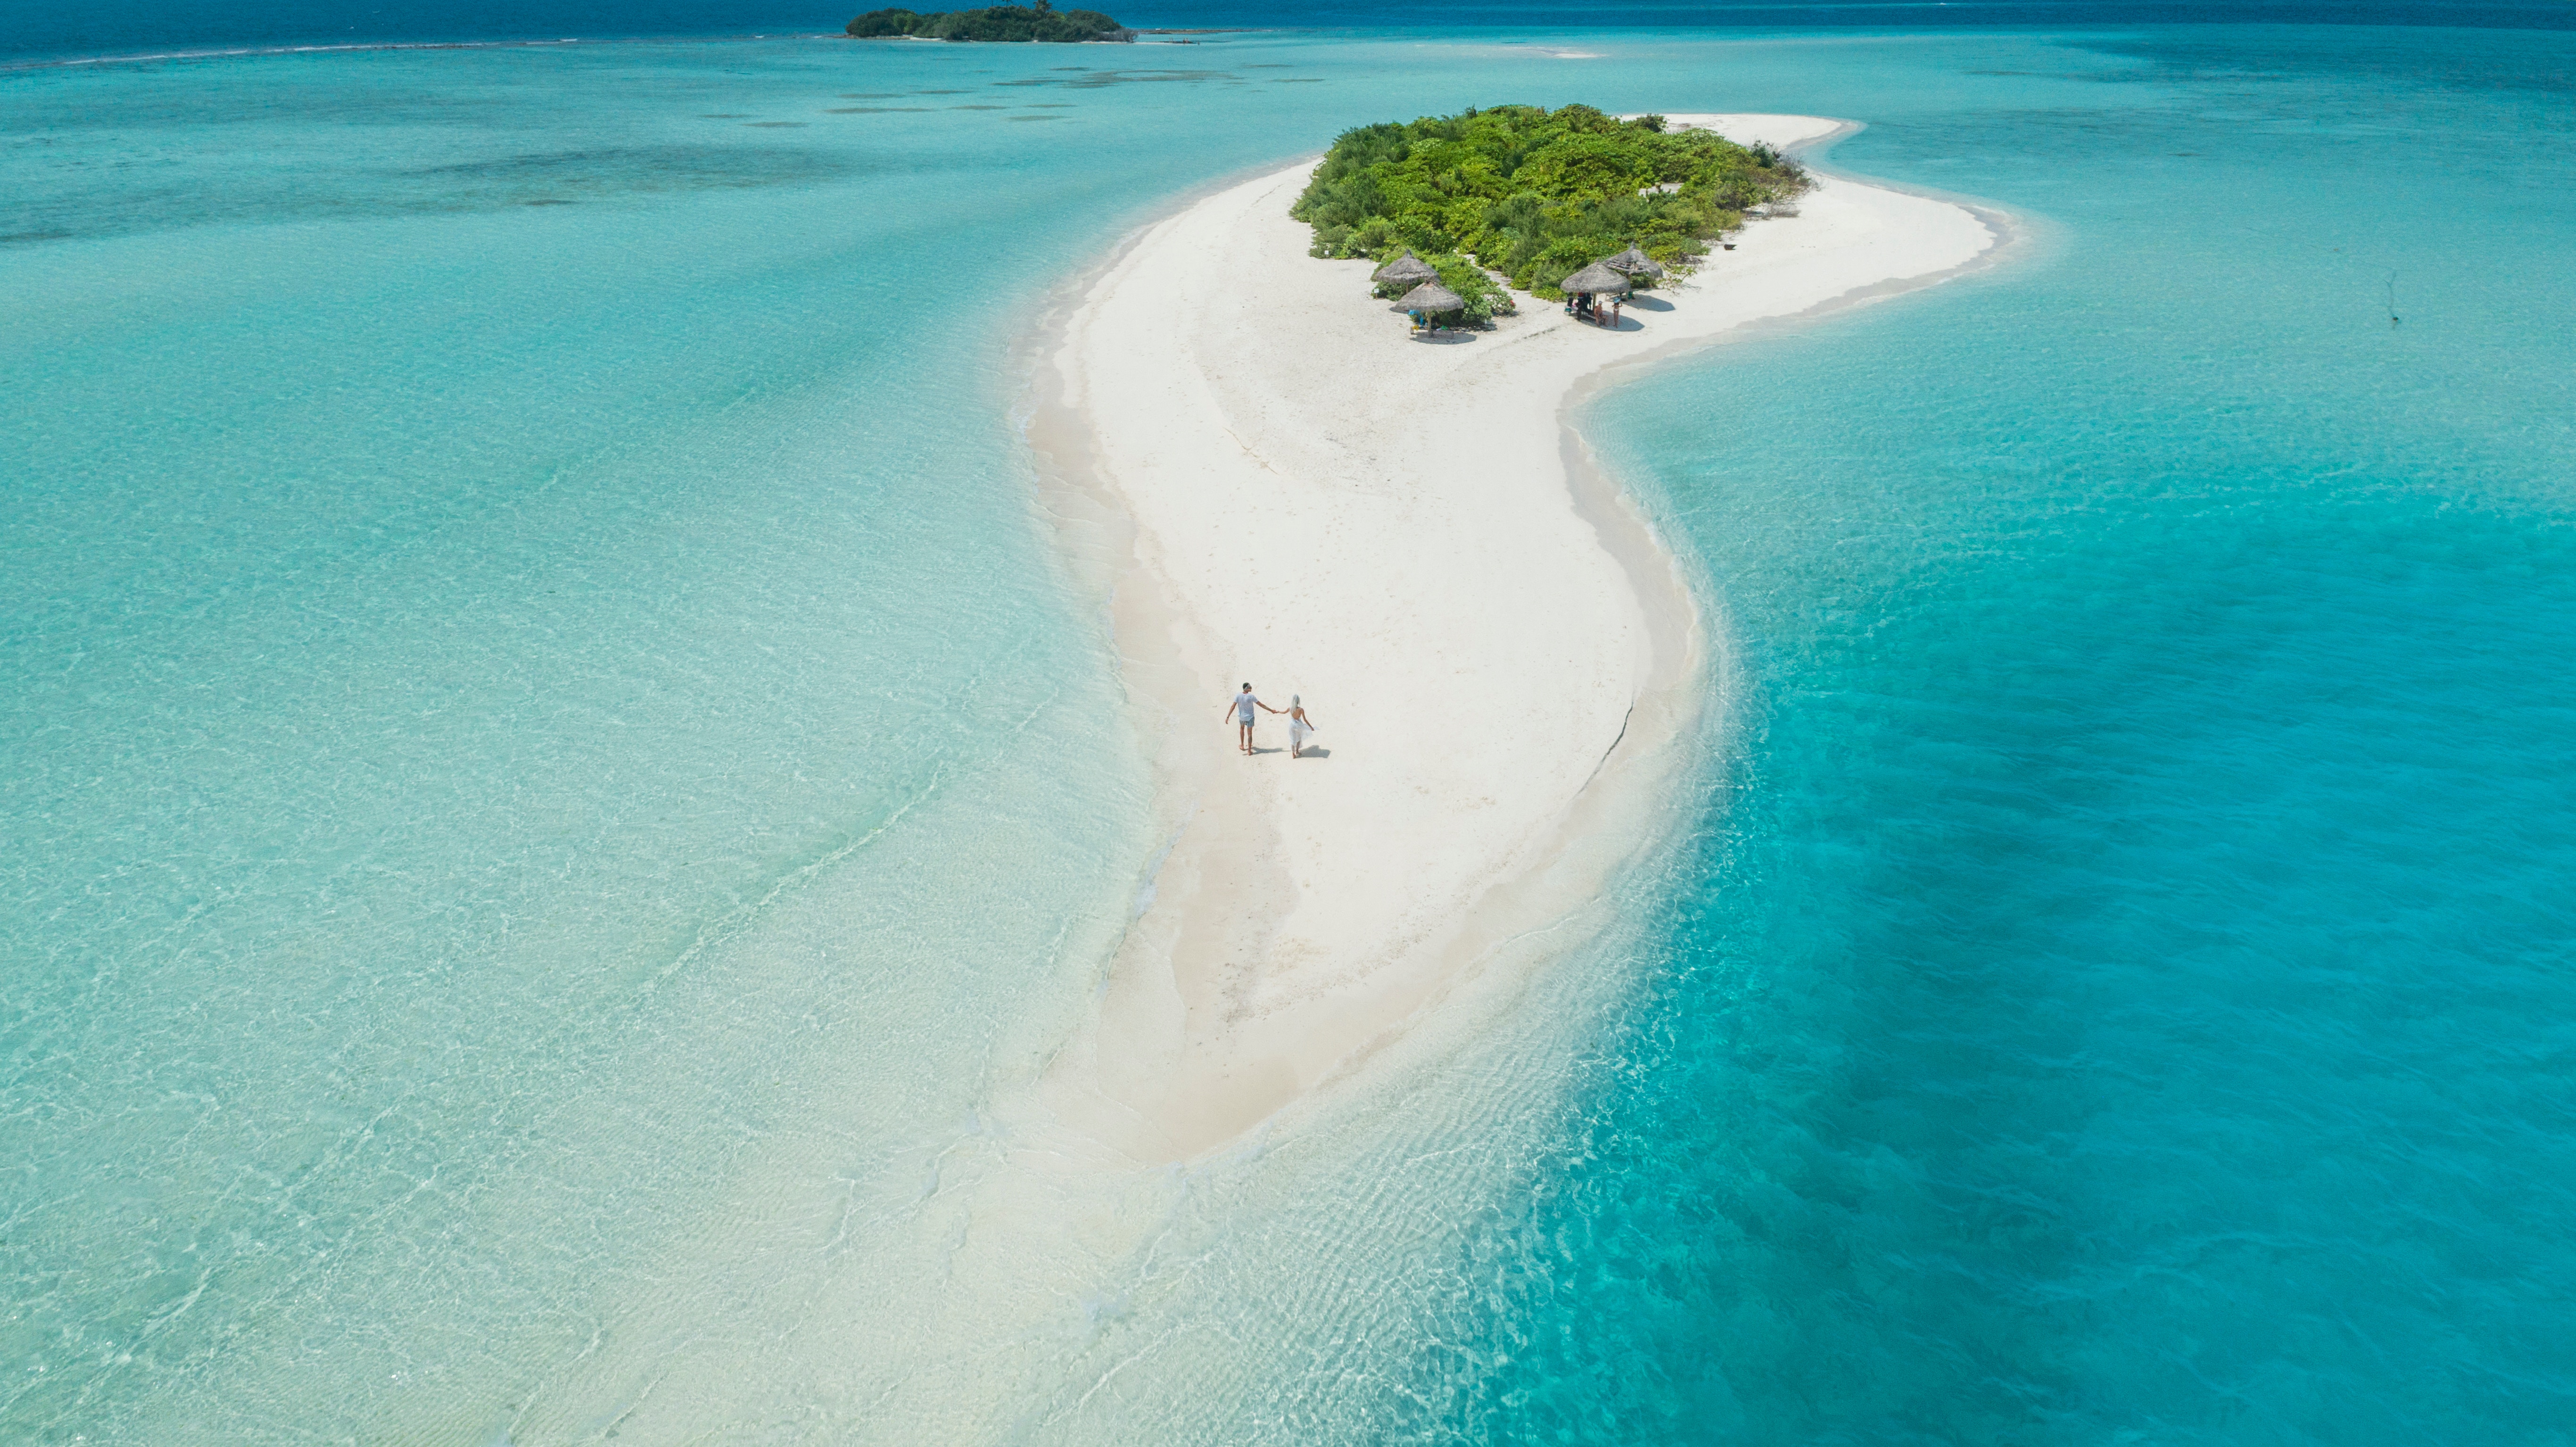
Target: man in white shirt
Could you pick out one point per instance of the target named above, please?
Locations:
(1242, 706)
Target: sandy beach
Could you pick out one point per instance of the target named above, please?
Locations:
(1500, 655)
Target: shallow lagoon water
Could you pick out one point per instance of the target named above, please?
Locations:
(2127, 995)
(555, 769)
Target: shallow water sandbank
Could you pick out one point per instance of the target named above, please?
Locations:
(1500, 655)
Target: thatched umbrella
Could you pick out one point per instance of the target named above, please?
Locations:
(1407, 267)
(1633, 262)
(1598, 279)
(1431, 296)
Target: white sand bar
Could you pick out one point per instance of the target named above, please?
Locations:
(1498, 653)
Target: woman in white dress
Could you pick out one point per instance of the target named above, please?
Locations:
(1300, 728)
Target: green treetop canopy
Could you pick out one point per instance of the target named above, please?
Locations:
(1597, 279)
(1407, 267)
(1431, 296)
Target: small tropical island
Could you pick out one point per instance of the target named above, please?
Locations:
(1534, 196)
(1005, 23)
(1378, 530)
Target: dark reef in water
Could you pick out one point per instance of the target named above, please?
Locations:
(1001, 22)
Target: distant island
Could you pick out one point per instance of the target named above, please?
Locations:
(1041, 21)
(1534, 194)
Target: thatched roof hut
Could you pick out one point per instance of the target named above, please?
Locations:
(1431, 296)
(1406, 267)
(1633, 262)
(1597, 279)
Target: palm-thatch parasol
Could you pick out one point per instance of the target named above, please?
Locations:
(1431, 296)
(1633, 262)
(1598, 279)
(1407, 267)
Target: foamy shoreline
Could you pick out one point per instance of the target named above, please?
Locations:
(1502, 656)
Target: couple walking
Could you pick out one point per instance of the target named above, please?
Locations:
(1300, 727)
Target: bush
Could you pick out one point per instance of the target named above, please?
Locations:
(879, 23)
(1535, 194)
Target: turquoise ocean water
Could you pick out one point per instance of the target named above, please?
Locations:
(551, 768)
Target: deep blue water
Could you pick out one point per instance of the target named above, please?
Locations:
(33, 28)
(525, 776)
(2132, 996)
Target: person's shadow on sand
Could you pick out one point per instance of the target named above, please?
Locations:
(1312, 752)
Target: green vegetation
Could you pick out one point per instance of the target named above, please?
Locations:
(1002, 22)
(1534, 194)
